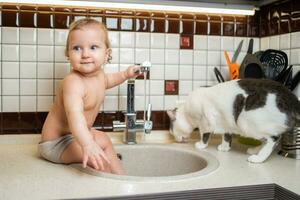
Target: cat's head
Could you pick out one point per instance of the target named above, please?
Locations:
(180, 128)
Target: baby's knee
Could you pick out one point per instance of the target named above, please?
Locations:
(102, 139)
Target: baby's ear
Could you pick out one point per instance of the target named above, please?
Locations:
(172, 114)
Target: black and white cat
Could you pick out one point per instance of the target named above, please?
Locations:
(261, 109)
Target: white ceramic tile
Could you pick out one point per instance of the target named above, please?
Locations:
(157, 72)
(28, 103)
(0, 35)
(274, 42)
(27, 86)
(237, 41)
(10, 87)
(295, 57)
(10, 35)
(114, 38)
(199, 72)
(141, 55)
(139, 103)
(60, 36)
(264, 43)
(172, 41)
(10, 70)
(61, 69)
(256, 44)
(288, 53)
(171, 72)
(157, 102)
(45, 70)
(45, 36)
(183, 97)
(185, 72)
(157, 87)
(111, 68)
(10, 52)
(172, 56)
(140, 87)
(157, 40)
(115, 56)
(200, 42)
(59, 54)
(285, 41)
(44, 103)
(157, 56)
(57, 83)
(28, 35)
(45, 87)
(142, 40)
(0, 48)
(211, 74)
(295, 38)
(213, 58)
(170, 102)
(28, 53)
(240, 57)
(185, 87)
(214, 43)
(112, 91)
(110, 103)
(45, 53)
(10, 104)
(122, 103)
(99, 19)
(197, 84)
(200, 57)
(186, 57)
(127, 39)
(28, 69)
(126, 55)
(227, 43)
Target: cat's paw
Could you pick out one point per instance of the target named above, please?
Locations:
(200, 145)
(256, 159)
(223, 147)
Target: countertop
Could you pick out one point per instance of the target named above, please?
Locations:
(24, 175)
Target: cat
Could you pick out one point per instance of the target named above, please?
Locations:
(257, 108)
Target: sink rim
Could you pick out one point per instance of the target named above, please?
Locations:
(212, 164)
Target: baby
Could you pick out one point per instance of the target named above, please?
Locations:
(67, 135)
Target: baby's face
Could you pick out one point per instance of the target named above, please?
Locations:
(87, 49)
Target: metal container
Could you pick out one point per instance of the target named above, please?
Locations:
(290, 144)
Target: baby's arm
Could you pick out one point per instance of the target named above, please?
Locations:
(117, 78)
(73, 93)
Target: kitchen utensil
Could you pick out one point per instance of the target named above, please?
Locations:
(295, 81)
(219, 76)
(232, 64)
(251, 66)
(275, 61)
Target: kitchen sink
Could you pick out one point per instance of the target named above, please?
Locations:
(160, 161)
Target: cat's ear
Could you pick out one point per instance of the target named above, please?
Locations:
(172, 114)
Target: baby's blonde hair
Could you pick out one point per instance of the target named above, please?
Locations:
(82, 23)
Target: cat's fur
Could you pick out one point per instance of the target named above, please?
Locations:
(261, 109)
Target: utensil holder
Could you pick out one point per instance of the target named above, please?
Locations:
(290, 144)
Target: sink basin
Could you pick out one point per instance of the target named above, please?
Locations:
(164, 161)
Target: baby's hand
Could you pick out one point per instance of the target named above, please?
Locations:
(94, 153)
(133, 71)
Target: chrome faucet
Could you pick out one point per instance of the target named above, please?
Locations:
(131, 124)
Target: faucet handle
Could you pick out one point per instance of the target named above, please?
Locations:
(148, 124)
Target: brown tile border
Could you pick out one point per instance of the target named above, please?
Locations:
(171, 87)
(32, 122)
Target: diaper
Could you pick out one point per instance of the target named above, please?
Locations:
(52, 150)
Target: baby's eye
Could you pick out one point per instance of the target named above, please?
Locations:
(93, 47)
(76, 48)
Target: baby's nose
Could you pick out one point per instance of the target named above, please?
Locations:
(85, 53)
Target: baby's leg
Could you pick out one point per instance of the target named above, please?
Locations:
(104, 141)
(265, 151)
(226, 142)
(203, 141)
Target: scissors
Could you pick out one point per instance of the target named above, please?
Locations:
(219, 76)
(233, 65)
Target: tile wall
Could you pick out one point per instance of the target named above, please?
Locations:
(183, 50)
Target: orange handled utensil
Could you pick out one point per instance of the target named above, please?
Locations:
(233, 65)
(233, 68)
